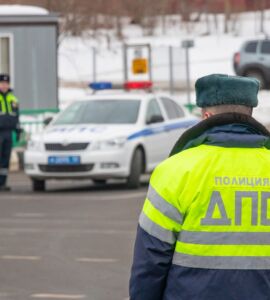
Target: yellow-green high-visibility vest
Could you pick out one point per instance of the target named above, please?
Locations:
(8, 103)
(213, 204)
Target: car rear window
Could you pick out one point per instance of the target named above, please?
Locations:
(266, 47)
(172, 109)
(251, 47)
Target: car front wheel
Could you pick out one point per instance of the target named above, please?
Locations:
(133, 181)
(38, 185)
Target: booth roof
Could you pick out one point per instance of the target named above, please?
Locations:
(22, 10)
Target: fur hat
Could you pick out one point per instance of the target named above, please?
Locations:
(219, 89)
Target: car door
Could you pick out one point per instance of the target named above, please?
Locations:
(249, 55)
(155, 135)
(175, 124)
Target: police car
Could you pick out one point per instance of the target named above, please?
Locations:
(120, 135)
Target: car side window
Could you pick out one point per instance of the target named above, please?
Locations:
(251, 47)
(153, 109)
(173, 110)
(265, 47)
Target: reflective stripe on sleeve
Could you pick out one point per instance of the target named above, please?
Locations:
(224, 238)
(157, 231)
(164, 206)
(3, 171)
(222, 262)
(159, 218)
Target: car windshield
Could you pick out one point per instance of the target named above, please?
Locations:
(101, 112)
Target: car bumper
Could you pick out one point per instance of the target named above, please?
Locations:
(95, 165)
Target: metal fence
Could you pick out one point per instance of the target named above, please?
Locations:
(167, 68)
(32, 121)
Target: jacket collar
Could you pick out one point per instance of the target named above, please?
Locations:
(225, 130)
(2, 93)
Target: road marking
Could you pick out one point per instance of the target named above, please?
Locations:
(57, 296)
(4, 295)
(96, 260)
(63, 230)
(17, 257)
(85, 197)
(29, 215)
(125, 196)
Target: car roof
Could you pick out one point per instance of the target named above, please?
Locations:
(257, 40)
(119, 96)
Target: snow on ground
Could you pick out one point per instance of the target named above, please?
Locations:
(22, 10)
(69, 95)
(211, 54)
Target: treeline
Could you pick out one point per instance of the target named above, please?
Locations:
(79, 16)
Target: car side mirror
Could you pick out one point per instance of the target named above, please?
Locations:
(47, 121)
(155, 119)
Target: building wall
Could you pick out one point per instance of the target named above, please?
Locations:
(35, 64)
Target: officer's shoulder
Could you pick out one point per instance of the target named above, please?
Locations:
(187, 159)
(11, 93)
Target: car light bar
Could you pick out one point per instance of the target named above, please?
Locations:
(99, 86)
(129, 85)
(137, 85)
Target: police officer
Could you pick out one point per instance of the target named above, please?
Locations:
(9, 121)
(204, 231)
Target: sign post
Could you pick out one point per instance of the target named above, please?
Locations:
(141, 64)
(187, 44)
(94, 64)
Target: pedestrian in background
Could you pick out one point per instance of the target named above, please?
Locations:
(9, 122)
(204, 231)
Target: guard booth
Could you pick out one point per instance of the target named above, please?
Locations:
(28, 52)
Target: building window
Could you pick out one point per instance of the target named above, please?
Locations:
(5, 55)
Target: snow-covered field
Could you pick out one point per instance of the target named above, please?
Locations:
(212, 54)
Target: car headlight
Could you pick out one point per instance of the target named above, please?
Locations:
(111, 144)
(34, 145)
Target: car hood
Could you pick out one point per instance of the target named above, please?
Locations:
(85, 133)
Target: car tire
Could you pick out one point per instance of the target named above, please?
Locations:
(258, 75)
(99, 181)
(38, 185)
(136, 168)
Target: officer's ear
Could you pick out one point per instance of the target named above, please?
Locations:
(206, 114)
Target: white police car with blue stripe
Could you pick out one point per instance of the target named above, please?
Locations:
(107, 136)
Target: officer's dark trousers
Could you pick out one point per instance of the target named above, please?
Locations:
(5, 151)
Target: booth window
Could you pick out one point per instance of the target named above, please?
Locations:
(5, 55)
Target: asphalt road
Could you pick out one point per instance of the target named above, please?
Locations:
(74, 241)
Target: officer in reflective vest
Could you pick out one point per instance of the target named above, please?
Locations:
(9, 121)
(204, 230)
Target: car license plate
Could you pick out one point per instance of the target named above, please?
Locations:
(64, 160)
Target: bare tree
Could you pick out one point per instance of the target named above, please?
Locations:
(262, 4)
(227, 15)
